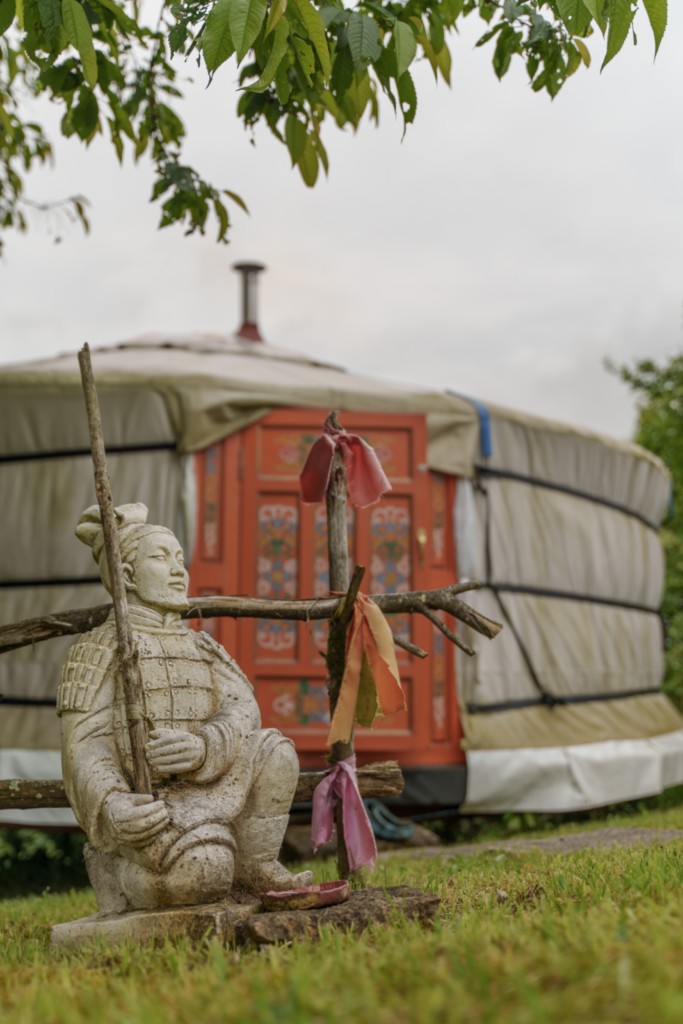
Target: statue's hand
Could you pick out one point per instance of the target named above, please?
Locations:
(173, 751)
(134, 819)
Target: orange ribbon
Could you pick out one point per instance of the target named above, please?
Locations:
(371, 685)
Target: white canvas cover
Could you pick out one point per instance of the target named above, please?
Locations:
(562, 526)
(527, 519)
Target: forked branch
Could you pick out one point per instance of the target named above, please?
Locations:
(80, 620)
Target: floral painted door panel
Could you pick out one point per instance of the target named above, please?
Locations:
(272, 545)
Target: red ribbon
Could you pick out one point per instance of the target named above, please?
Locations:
(365, 478)
(341, 784)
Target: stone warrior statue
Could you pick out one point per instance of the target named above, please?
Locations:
(222, 785)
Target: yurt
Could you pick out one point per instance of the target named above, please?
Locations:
(562, 711)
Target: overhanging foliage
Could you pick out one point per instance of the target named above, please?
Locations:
(111, 67)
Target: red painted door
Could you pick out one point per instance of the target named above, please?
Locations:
(256, 537)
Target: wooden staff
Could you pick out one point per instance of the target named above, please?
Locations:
(338, 558)
(128, 655)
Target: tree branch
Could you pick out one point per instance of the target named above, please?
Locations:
(381, 779)
(80, 620)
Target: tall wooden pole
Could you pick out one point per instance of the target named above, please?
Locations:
(338, 559)
(128, 655)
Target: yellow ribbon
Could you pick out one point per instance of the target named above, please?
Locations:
(371, 685)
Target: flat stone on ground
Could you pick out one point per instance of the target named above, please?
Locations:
(363, 908)
(216, 920)
(245, 923)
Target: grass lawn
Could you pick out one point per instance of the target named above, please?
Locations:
(592, 936)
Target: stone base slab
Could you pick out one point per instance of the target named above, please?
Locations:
(363, 908)
(212, 920)
(242, 921)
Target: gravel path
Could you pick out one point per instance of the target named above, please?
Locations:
(599, 839)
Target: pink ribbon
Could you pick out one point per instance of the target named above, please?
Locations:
(365, 478)
(341, 784)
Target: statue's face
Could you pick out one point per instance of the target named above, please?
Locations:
(159, 578)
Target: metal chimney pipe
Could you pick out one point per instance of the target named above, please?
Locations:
(249, 271)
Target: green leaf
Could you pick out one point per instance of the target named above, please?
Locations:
(385, 69)
(657, 13)
(436, 33)
(573, 59)
(513, 9)
(126, 23)
(322, 153)
(121, 118)
(541, 30)
(620, 18)
(278, 51)
(283, 86)
(8, 9)
(85, 115)
(308, 163)
(407, 98)
(584, 51)
(246, 18)
(364, 43)
(223, 220)
(295, 137)
(277, 9)
(217, 44)
(443, 59)
(405, 46)
(333, 15)
(575, 15)
(342, 72)
(356, 98)
(597, 8)
(509, 43)
(236, 199)
(315, 27)
(79, 33)
(50, 14)
(305, 57)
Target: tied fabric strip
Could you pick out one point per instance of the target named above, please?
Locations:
(365, 478)
(371, 684)
(341, 784)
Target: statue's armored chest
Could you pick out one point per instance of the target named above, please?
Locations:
(176, 678)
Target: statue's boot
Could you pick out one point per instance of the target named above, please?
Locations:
(257, 868)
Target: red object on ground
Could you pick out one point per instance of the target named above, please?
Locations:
(308, 897)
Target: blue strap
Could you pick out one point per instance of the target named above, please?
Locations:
(485, 440)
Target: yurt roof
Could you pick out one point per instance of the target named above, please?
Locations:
(196, 388)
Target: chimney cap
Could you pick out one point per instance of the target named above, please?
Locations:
(249, 268)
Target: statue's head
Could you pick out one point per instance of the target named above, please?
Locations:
(153, 567)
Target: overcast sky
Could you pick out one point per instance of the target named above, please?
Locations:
(504, 249)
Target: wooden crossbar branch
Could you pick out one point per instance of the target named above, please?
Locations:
(80, 620)
(383, 778)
